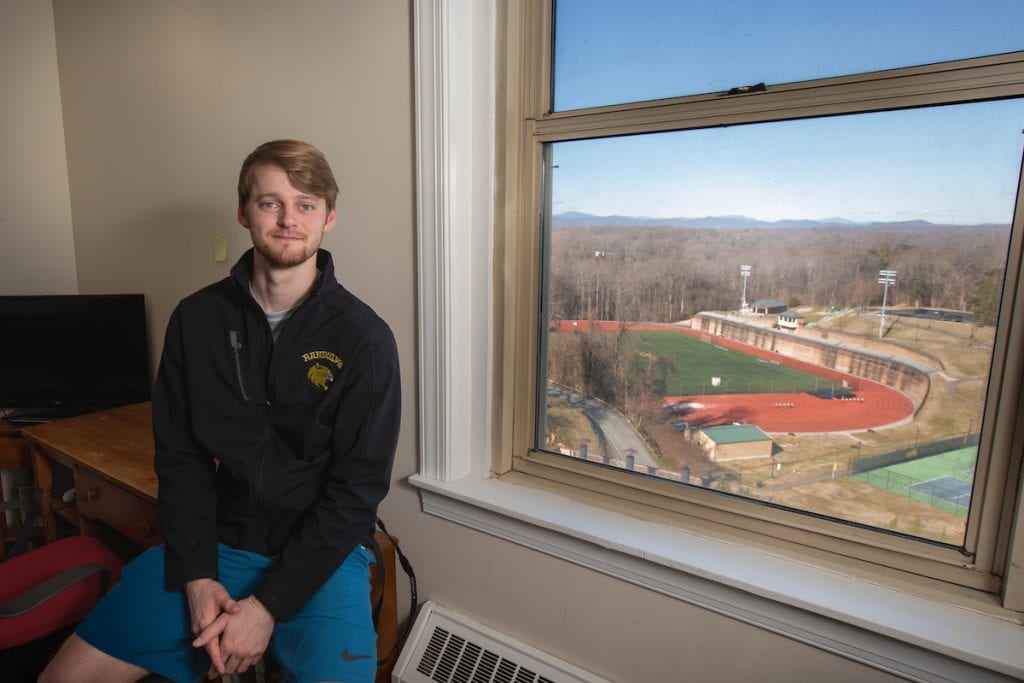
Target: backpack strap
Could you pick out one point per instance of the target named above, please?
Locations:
(407, 568)
(379, 559)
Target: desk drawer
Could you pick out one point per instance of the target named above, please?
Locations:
(100, 500)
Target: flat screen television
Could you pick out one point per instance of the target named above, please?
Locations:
(63, 355)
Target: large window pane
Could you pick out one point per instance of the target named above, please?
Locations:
(611, 52)
(800, 312)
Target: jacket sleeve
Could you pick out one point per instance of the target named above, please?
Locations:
(187, 500)
(363, 447)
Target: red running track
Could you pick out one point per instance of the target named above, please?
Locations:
(874, 405)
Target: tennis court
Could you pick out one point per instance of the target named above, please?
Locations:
(943, 481)
(947, 488)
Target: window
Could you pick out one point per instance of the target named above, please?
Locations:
(769, 282)
(801, 313)
(921, 609)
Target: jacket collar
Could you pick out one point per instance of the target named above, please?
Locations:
(241, 272)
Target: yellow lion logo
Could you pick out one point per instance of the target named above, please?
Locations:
(321, 376)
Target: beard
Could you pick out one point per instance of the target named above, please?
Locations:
(285, 255)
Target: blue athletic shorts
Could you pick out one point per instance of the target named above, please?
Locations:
(331, 638)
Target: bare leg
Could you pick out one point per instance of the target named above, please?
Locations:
(79, 662)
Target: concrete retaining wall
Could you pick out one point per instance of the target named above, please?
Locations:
(871, 361)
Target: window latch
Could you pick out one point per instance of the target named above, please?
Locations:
(746, 89)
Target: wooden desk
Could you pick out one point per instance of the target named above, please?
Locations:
(110, 454)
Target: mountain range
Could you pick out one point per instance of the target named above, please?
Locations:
(572, 219)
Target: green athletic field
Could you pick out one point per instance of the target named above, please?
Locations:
(692, 363)
(943, 481)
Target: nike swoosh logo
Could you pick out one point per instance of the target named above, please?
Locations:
(349, 657)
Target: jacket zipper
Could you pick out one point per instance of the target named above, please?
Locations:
(268, 378)
(268, 420)
(237, 346)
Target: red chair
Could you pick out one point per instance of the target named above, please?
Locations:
(53, 586)
(44, 592)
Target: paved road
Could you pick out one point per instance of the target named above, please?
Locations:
(617, 430)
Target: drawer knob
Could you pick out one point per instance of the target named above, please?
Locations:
(92, 493)
(146, 528)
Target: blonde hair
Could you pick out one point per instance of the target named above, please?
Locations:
(306, 166)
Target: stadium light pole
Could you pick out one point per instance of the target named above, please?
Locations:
(744, 273)
(885, 277)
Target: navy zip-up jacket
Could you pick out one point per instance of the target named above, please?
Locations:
(283, 449)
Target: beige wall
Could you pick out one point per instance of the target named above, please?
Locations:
(37, 253)
(161, 102)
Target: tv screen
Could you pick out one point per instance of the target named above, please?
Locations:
(71, 354)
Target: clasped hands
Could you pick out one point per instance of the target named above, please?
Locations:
(234, 633)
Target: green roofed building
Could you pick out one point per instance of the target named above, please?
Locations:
(734, 442)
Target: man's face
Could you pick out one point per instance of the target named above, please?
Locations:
(286, 224)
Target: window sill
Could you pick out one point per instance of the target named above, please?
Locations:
(907, 635)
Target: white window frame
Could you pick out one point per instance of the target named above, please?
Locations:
(465, 397)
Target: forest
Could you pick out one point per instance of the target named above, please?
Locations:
(664, 274)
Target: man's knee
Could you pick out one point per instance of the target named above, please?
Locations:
(79, 662)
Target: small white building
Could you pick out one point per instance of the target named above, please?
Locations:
(791, 320)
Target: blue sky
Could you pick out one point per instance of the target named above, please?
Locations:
(954, 164)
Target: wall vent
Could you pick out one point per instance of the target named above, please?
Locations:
(448, 647)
